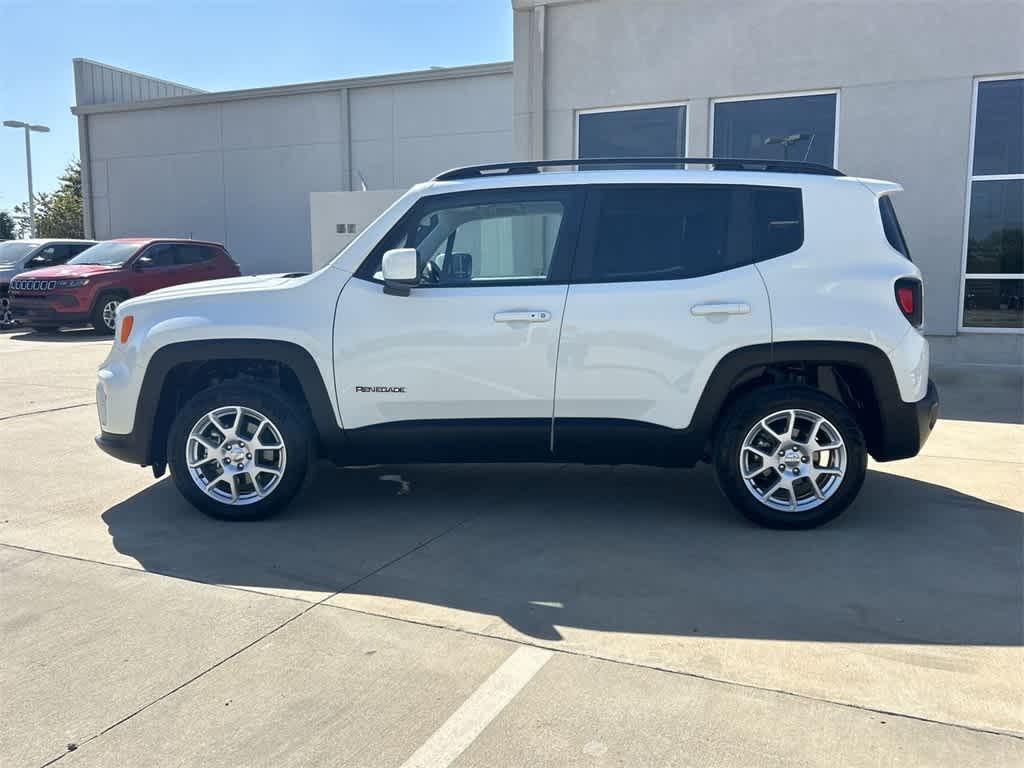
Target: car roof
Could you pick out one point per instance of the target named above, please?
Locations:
(148, 240)
(657, 176)
(45, 240)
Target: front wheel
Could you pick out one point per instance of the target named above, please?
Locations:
(104, 314)
(790, 457)
(239, 451)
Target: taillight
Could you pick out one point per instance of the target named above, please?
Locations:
(909, 300)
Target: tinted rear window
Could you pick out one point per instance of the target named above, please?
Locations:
(891, 225)
(681, 231)
(192, 254)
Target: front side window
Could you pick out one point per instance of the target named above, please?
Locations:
(779, 128)
(481, 238)
(683, 231)
(641, 132)
(160, 255)
(48, 256)
(993, 288)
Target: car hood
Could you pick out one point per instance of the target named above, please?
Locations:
(65, 271)
(217, 287)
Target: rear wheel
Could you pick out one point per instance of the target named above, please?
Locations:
(239, 451)
(790, 457)
(104, 314)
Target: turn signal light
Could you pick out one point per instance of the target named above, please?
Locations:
(126, 327)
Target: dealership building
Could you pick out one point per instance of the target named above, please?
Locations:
(929, 94)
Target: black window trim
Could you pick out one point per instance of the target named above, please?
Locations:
(562, 254)
(589, 229)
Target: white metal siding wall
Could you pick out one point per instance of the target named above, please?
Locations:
(241, 171)
(97, 83)
(404, 134)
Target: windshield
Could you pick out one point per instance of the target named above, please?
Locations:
(13, 251)
(106, 254)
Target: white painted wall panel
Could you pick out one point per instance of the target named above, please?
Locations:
(267, 193)
(242, 170)
(169, 196)
(155, 131)
(329, 209)
(451, 107)
(282, 120)
(423, 157)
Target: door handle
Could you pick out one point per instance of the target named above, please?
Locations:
(734, 308)
(523, 316)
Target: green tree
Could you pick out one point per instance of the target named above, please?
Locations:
(6, 226)
(58, 214)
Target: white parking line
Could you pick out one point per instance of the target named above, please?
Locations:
(468, 721)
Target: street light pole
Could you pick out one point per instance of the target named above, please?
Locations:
(28, 165)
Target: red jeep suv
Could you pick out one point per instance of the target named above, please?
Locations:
(88, 288)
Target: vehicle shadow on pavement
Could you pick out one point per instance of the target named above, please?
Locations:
(62, 336)
(626, 549)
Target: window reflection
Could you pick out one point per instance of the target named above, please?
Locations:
(786, 128)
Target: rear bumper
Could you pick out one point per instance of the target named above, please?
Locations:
(907, 426)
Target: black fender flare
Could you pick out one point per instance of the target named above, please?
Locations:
(167, 358)
(890, 438)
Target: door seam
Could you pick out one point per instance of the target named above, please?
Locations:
(558, 352)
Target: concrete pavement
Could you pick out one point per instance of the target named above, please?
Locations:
(351, 630)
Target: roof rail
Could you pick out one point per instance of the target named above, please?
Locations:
(717, 163)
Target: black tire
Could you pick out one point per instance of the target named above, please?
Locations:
(287, 418)
(96, 317)
(746, 413)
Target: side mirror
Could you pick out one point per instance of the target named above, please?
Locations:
(143, 262)
(400, 269)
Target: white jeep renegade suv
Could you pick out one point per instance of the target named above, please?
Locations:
(759, 315)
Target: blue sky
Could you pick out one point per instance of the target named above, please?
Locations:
(216, 45)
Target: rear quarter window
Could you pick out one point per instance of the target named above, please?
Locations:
(672, 232)
(778, 222)
(891, 226)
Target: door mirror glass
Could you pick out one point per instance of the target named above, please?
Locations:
(400, 270)
(144, 262)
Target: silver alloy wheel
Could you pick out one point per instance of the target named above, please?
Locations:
(6, 318)
(236, 455)
(793, 460)
(110, 313)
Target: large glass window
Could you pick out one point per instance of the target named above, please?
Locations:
(993, 289)
(639, 132)
(779, 128)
